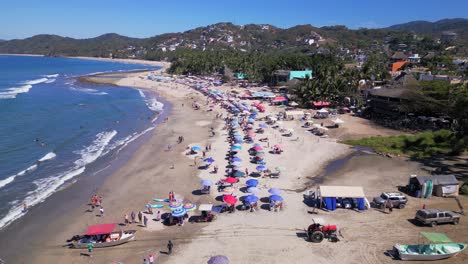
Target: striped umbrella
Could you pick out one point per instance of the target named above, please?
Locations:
(179, 212)
(175, 205)
(190, 207)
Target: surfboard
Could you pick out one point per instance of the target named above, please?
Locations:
(154, 205)
(428, 189)
(160, 200)
(423, 190)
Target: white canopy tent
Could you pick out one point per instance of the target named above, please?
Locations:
(342, 191)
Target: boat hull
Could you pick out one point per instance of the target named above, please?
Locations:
(405, 254)
(130, 237)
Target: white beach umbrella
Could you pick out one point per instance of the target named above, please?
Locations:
(320, 127)
(338, 121)
(322, 111)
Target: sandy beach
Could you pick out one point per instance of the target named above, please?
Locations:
(262, 236)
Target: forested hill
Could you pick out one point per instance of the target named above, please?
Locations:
(234, 37)
(457, 25)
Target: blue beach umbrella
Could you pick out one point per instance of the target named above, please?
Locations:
(206, 182)
(263, 125)
(275, 191)
(276, 198)
(179, 212)
(196, 148)
(236, 159)
(236, 147)
(218, 260)
(253, 190)
(261, 168)
(250, 198)
(209, 160)
(252, 183)
(257, 145)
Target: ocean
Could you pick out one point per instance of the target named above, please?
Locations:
(54, 129)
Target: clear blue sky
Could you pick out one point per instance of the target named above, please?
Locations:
(144, 18)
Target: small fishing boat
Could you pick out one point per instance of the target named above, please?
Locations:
(442, 248)
(103, 235)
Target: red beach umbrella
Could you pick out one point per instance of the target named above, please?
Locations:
(278, 146)
(231, 180)
(230, 199)
(258, 148)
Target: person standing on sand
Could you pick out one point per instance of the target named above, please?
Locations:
(169, 247)
(101, 210)
(132, 215)
(126, 219)
(140, 216)
(151, 259)
(145, 221)
(158, 216)
(246, 172)
(145, 261)
(90, 249)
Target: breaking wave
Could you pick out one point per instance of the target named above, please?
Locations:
(11, 93)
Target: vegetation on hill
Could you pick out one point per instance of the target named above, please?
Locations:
(257, 66)
(262, 38)
(422, 145)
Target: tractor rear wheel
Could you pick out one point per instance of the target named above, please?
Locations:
(316, 237)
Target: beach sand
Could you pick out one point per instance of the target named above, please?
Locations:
(245, 237)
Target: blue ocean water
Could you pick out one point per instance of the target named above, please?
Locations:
(52, 127)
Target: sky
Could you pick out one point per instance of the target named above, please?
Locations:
(145, 18)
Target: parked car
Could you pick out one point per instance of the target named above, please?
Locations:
(434, 217)
(397, 199)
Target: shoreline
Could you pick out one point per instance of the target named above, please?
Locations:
(73, 190)
(15, 230)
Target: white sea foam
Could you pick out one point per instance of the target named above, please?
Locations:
(21, 173)
(142, 94)
(50, 81)
(87, 90)
(95, 150)
(36, 81)
(45, 188)
(152, 103)
(47, 156)
(121, 143)
(52, 75)
(11, 93)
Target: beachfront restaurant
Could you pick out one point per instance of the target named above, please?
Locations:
(348, 197)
